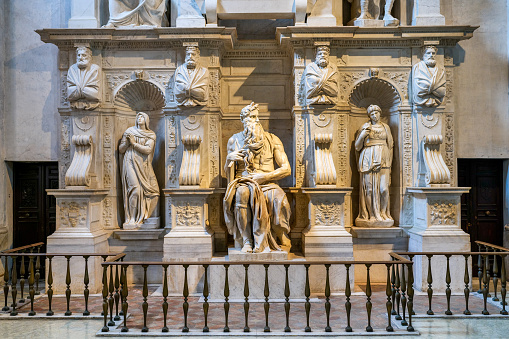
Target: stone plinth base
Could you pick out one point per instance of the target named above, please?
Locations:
(368, 23)
(140, 245)
(375, 244)
(235, 254)
(149, 223)
(437, 228)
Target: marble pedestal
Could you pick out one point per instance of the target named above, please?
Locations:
(190, 238)
(437, 228)
(79, 230)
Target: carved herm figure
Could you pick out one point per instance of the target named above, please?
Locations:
(256, 210)
(192, 80)
(320, 79)
(83, 81)
(428, 80)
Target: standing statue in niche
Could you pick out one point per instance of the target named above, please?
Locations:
(370, 10)
(320, 79)
(374, 145)
(83, 81)
(256, 210)
(137, 13)
(139, 184)
(428, 80)
(191, 80)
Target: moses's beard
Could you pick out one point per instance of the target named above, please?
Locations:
(253, 143)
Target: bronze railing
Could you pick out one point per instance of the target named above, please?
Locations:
(483, 275)
(494, 269)
(11, 277)
(406, 285)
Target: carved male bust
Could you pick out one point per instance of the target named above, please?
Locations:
(192, 80)
(428, 80)
(83, 81)
(320, 79)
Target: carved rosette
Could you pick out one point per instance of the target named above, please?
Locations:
(73, 214)
(443, 213)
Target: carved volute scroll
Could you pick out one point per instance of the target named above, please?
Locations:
(190, 169)
(325, 171)
(78, 172)
(434, 171)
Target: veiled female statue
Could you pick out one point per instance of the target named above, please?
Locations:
(374, 146)
(139, 184)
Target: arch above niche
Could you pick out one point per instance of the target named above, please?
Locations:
(374, 91)
(139, 95)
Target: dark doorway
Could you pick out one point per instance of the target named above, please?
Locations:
(34, 210)
(482, 208)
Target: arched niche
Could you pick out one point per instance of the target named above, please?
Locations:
(139, 95)
(374, 91)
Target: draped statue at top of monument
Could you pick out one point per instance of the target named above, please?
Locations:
(320, 79)
(137, 13)
(374, 146)
(139, 184)
(256, 210)
(191, 80)
(83, 81)
(366, 13)
(428, 80)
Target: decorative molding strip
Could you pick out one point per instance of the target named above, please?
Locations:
(78, 172)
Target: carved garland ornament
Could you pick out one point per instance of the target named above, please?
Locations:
(449, 144)
(443, 213)
(346, 81)
(188, 215)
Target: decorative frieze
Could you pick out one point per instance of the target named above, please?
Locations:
(214, 151)
(214, 88)
(342, 149)
(346, 82)
(449, 144)
(171, 165)
(407, 149)
(64, 100)
(108, 151)
(299, 151)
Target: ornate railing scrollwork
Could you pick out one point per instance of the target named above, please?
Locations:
(190, 169)
(78, 172)
(325, 171)
(434, 171)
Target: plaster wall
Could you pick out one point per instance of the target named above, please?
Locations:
(481, 81)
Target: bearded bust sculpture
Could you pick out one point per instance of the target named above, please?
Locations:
(139, 183)
(256, 210)
(83, 81)
(191, 80)
(320, 79)
(428, 80)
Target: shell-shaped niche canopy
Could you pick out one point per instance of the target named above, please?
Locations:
(139, 95)
(375, 92)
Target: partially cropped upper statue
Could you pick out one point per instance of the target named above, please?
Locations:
(83, 81)
(139, 184)
(320, 79)
(137, 13)
(374, 145)
(192, 80)
(367, 13)
(256, 209)
(428, 80)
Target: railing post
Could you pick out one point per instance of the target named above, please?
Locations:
(495, 277)
(110, 299)
(393, 290)
(348, 304)
(50, 283)
(125, 293)
(117, 295)
(485, 283)
(266, 293)
(226, 304)
(246, 298)
(398, 294)
(430, 282)
(307, 293)
(403, 296)
(185, 293)
(31, 281)
(368, 296)
(287, 299)
(480, 264)
(410, 328)
(37, 270)
(86, 281)
(389, 293)
(105, 299)
(6, 284)
(14, 281)
(22, 278)
(165, 298)
(466, 279)
(448, 284)
(327, 296)
(205, 299)
(68, 283)
(145, 295)
(503, 283)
